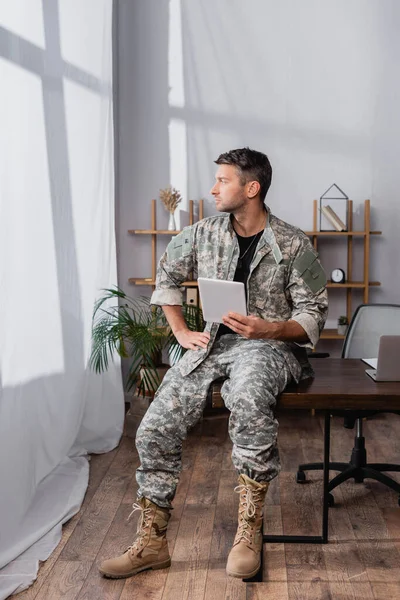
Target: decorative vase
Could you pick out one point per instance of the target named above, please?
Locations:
(171, 222)
(342, 329)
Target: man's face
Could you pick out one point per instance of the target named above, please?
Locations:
(229, 194)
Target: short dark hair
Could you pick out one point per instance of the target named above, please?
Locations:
(251, 166)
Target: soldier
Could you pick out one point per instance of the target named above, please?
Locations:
(259, 355)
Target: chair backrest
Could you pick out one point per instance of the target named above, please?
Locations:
(369, 322)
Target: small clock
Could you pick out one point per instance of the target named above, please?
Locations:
(338, 276)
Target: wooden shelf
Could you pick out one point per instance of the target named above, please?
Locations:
(310, 233)
(345, 233)
(331, 334)
(153, 231)
(353, 284)
(149, 281)
(365, 285)
(316, 238)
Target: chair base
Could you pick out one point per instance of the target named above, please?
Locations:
(357, 469)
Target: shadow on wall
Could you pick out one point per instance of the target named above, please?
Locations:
(49, 66)
(142, 133)
(39, 425)
(142, 140)
(384, 157)
(264, 77)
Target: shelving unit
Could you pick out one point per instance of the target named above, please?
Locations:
(349, 286)
(154, 233)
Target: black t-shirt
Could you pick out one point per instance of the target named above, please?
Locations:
(247, 247)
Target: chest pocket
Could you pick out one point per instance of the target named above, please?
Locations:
(181, 245)
(268, 280)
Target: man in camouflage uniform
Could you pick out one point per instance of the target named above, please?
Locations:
(259, 355)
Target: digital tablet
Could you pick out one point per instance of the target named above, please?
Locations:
(218, 297)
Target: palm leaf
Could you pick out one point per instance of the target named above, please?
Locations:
(135, 330)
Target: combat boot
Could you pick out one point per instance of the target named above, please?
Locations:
(150, 548)
(244, 559)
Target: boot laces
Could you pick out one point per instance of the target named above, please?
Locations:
(247, 511)
(143, 522)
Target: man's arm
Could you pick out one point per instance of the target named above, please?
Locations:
(187, 338)
(255, 328)
(309, 296)
(307, 287)
(175, 266)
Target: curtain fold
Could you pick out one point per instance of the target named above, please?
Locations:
(57, 252)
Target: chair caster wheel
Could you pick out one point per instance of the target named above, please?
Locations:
(331, 500)
(300, 477)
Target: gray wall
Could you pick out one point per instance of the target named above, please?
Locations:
(314, 84)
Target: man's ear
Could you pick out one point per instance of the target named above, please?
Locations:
(253, 188)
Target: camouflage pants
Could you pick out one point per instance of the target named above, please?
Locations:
(257, 372)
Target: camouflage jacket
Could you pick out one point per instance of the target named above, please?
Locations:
(286, 280)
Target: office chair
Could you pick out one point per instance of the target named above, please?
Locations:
(369, 322)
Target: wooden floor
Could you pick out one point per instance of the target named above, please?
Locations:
(362, 560)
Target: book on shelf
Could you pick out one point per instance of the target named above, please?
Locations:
(333, 218)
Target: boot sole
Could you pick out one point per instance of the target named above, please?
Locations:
(244, 575)
(155, 566)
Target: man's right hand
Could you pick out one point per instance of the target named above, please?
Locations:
(192, 340)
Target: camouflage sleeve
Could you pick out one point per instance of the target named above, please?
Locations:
(307, 287)
(174, 268)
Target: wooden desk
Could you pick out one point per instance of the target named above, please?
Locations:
(341, 383)
(338, 384)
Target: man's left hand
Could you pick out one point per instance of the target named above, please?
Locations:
(251, 327)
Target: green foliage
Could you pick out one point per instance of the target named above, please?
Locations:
(136, 331)
(343, 320)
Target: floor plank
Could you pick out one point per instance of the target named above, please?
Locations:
(218, 585)
(275, 590)
(351, 591)
(86, 539)
(312, 590)
(361, 561)
(187, 576)
(99, 465)
(66, 582)
(384, 591)
(341, 554)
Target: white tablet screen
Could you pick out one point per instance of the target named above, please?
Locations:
(218, 297)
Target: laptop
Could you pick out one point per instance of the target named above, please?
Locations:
(388, 365)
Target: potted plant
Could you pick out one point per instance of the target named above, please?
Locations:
(343, 323)
(135, 330)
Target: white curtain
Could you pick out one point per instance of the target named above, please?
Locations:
(57, 251)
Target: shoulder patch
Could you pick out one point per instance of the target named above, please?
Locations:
(311, 271)
(181, 245)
